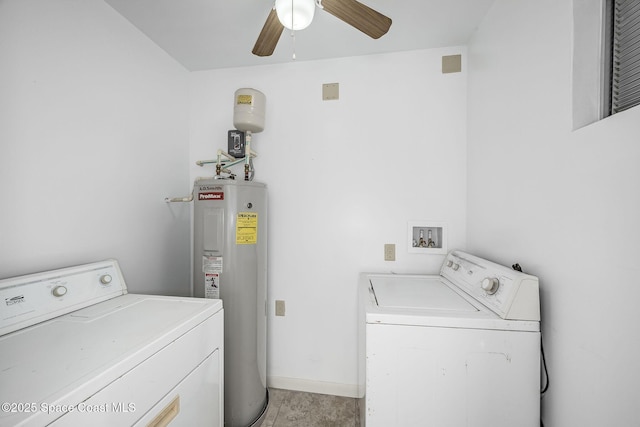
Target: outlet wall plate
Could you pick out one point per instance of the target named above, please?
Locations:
(330, 91)
(280, 308)
(451, 64)
(389, 252)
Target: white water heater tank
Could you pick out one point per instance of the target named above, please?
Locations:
(249, 109)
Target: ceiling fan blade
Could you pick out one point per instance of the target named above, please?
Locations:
(269, 36)
(372, 23)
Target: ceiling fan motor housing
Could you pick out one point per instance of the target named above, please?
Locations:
(295, 14)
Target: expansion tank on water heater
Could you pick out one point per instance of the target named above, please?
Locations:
(230, 254)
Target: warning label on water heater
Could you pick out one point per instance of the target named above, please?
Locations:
(212, 285)
(212, 268)
(211, 264)
(247, 228)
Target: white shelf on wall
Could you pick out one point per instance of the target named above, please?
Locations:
(427, 237)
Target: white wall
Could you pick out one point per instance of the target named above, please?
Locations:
(563, 204)
(93, 136)
(344, 178)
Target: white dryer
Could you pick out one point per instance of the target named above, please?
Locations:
(77, 350)
(461, 348)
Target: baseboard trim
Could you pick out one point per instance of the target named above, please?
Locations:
(311, 386)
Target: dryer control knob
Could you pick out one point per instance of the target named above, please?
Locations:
(449, 263)
(59, 291)
(106, 279)
(490, 285)
(456, 267)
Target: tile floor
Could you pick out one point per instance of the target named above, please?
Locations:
(299, 409)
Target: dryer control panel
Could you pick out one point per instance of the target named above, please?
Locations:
(509, 293)
(27, 300)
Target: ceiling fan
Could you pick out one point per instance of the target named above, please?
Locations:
(297, 14)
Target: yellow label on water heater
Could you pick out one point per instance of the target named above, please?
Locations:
(247, 228)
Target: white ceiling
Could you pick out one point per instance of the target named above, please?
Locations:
(208, 34)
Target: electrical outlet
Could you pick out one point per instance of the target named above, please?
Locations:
(279, 307)
(389, 252)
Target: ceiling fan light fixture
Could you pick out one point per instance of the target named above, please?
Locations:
(295, 14)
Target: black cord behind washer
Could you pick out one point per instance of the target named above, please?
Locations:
(544, 388)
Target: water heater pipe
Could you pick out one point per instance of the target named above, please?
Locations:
(179, 199)
(183, 199)
(248, 166)
(224, 165)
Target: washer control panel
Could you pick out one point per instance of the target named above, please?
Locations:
(509, 293)
(27, 300)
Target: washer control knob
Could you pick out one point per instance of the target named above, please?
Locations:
(490, 285)
(449, 263)
(59, 291)
(106, 279)
(456, 267)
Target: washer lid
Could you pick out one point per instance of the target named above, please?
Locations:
(417, 293)
(428, 300)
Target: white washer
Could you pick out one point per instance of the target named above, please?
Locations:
(457, 349)
(77, 350)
